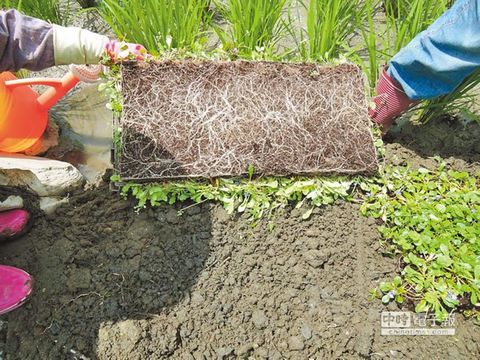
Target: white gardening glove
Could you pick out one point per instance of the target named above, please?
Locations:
(78, 46)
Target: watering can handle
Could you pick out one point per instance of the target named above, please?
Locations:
(58, 88)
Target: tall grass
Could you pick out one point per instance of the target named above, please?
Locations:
(407, 18)
(54, 11)
(368, 58)
(252, 25)
(158, 24)
(330, 24)
(462, 101)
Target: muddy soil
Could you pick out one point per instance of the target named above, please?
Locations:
(114, 284)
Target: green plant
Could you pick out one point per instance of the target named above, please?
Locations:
(367, 55)
(458, 102)
(432, 220)
(330, 24)
(404, 19)
(257, 197)
(54, 11)
(159, 25)
(252, 25)
(393, 290)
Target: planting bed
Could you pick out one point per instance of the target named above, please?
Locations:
(113, 284)
(192, 118)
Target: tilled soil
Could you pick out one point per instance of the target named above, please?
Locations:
(114, 284)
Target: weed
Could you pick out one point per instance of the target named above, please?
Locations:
(257, 197)
(432, 220)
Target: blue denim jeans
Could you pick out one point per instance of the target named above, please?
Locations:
(438, 59)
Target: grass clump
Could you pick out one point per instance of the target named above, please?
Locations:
(432, 221)
(159, 25)
(253, 26)
(330, 24)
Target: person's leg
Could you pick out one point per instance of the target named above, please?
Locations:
(15, 287)
(434, 63)
(438, 59)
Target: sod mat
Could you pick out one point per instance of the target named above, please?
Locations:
(214, 118)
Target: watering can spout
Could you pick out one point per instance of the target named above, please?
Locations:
(24, 113)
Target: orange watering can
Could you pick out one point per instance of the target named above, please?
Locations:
(24, 113)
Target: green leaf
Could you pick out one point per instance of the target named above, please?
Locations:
(422, 306)
(444, 260)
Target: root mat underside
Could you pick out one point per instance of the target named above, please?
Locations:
(209, 119)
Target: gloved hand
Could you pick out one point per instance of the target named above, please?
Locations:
(124, 51)
(78, 46)
(390, 102)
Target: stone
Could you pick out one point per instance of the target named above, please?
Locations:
(306, 331)
(197, 299)
(243, 350)
(43, 176)
(223, 352)
(130, 333)
(172, 216)
(12, 202)
(316, 258)
(79, 279)
(295, 343)
(259, 319)
(49, 204)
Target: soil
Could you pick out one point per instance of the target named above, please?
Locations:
(115, 284)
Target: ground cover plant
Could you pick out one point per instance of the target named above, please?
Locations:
(258, 197)
(431, 219)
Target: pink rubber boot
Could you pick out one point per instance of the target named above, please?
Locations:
(390, 102)
(13, 223)
(15, 287)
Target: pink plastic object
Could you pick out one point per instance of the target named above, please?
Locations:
(23, 112)
(390, 102)
(15, 287)
(13, 223)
